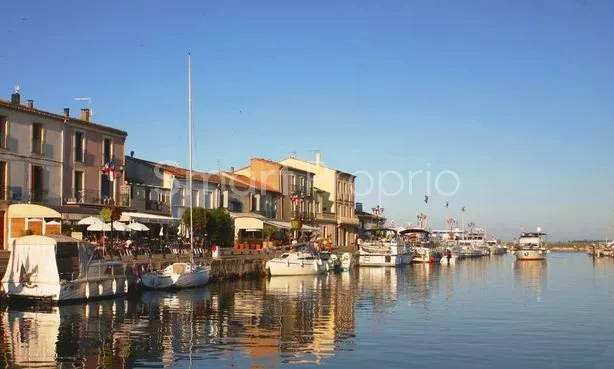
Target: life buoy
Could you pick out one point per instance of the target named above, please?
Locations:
(100, 289)
(87, 290)
(526, 254)
(114, 286)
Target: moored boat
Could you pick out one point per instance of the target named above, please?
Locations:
(419, 240)
(531, 246)
(383, 247)
(181, 274)
(346, 262)
(57, 268)
(302, 261)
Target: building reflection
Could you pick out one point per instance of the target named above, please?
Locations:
(531, 277)
(267, 322)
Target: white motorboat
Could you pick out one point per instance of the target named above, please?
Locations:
(59, 268)
(383, 247)
(531, 246)
(419, 240)
(303, 261)
(346, 262)
(331, 260)
(182, 274)
(177, 275)
(495, 247)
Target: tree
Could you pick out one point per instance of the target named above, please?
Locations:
(199, 220)
(216, 223)
(220, 227)
(268, 231)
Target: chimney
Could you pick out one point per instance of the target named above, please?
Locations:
(232, 170)
(318, 158)
(132, 154)
(85, 114)
(66, 112)
(359, 207)
(16, 97)
(30, 103)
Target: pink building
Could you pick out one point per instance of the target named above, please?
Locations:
(89, 148)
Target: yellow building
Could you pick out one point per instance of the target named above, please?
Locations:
(335, 203)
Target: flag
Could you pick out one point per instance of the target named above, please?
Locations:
(23, 277)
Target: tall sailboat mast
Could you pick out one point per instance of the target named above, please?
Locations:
(190, 155)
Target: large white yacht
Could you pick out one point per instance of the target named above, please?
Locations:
(531, 246)
(383, 247)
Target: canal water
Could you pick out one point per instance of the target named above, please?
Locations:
(485, 313)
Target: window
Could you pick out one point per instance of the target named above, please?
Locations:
(105, 187)
(36, 184)
(3, 180)
(195, 198)
(208, 203)
(79, 146)
(107, 150)
(182, 196)
(37, 138)
(4, 131)
(78, 186)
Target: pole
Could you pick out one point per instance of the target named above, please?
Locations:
(190, 153)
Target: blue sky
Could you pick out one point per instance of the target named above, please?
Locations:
(516, 97)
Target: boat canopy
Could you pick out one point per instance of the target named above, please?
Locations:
(532, 234)
(414, 230)
(45, 260)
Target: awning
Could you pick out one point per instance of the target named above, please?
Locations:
(288, 225)
(31, 211)
(147, 218)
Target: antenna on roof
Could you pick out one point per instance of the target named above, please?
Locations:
(89, 102)
(293, 153)
(17, 89)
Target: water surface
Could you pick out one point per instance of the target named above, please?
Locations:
(485, 313)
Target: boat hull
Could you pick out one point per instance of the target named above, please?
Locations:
(292, 267)
(530, 254)
(346, 262)
(425, 255)
(170, 278)
(80, 289)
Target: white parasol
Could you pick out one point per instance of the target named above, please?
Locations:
(89, 221)
(138, 227)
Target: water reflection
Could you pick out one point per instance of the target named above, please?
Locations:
(531, 277)
(260, 323)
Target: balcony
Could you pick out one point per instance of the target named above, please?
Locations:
(154, 205)
(326, 216)
(302, 191)
(88, 197)
(305, 216)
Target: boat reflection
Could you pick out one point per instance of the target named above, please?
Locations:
(531, 276)
(269, 323)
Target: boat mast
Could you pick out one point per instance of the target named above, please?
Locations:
(190, 155)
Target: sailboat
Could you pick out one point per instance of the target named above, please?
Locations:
(182, 274)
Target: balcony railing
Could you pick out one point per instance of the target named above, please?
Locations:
(92, 197)
(299, 190)
(305, 216)
(155, 205)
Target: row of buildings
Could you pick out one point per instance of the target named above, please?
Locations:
(76, 167)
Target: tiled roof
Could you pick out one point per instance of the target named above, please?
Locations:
(196, 175)
(25, 109)
(246, 181)
(267, 161)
